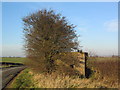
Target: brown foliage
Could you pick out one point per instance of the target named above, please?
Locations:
(47, 34)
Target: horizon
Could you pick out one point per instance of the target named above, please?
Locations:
(97, 25)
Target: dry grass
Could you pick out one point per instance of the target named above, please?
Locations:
(104, 77)
(106, 70)
(53, 81)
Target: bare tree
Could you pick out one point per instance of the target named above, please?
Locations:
(47, 34)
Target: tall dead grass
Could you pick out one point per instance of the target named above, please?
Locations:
(106, 70)
(105, 76)
(53, 81)
(58, 81)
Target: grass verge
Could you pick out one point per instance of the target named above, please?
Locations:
(23, 80)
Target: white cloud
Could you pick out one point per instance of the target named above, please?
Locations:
(111, 26)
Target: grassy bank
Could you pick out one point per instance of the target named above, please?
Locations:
(104, 75)
(27, 79)
(23, 80)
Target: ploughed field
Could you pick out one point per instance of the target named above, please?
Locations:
(105, 69)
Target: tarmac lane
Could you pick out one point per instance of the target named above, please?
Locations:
(9, 73)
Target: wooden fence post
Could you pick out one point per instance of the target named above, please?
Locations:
(82, 60)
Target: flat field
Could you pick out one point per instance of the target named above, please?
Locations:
(105, 69)
(14, 59)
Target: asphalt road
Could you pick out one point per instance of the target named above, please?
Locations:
(8, 74)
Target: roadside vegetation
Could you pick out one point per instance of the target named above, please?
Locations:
(102, 75)
(23, 80)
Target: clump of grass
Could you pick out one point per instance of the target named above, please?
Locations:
(24, 80)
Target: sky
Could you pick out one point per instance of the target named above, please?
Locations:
(96, 23)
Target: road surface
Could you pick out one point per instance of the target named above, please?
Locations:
(9, 73)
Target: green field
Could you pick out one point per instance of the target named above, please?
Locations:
(14, 59)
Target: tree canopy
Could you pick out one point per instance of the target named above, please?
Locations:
(47, 36)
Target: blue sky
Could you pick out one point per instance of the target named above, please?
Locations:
(96, 24)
